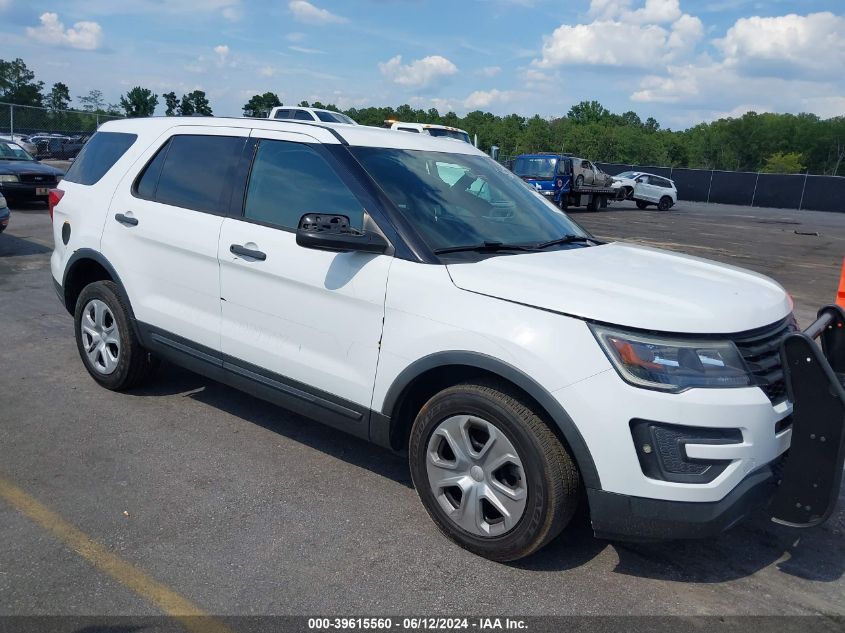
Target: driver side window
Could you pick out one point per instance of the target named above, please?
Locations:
(289, 180)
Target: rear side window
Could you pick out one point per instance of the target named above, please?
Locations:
(303, 115)
(192, 172)
(289, 180)
(283, 114)
(99, 155)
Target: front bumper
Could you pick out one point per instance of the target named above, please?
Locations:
(28, 191)
(800, 488)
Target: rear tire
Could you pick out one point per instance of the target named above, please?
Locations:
(665, 203)
(641, 204)
(107, 344)
(579, 181)
(493, 453)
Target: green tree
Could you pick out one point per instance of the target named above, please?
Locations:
(783, 163)
(93, 101)
(261, 105)
(139, 102)
(195, 102)
(171, 102)
(59, 97)
(588, 112)
(18, 85)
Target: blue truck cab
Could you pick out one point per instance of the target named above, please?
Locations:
(541, 172)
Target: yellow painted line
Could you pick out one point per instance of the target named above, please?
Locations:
(168, 601)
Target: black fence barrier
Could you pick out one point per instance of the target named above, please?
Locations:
(783, 191)
(692, 184)
(824, 193)
(733, 187)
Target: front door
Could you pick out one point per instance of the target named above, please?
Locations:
(307, 321)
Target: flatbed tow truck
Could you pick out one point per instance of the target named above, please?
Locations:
(565, 180)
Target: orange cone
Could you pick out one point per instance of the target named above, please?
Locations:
(840, 296)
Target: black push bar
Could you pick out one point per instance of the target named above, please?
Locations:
(815, 382)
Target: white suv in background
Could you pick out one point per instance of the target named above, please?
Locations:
(432, 129)
(411, 291)
(317, 115)
(646, 189)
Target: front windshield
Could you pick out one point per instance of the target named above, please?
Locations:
(538, 167)
(437, 131)
(13, 151)
(460, 199)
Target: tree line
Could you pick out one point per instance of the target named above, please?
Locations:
(782, 143)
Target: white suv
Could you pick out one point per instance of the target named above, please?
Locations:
(317, 115)
(349, 274)
(646, 189)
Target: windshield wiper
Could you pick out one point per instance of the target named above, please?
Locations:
(568, 239)
(486, 247)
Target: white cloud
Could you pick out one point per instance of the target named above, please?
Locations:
(306, 12)
(490, 71)
(419, 73)
(295, 37)
(87, 36)
(656, 33)
(307, 51)
(222, 52)
(267, 71)
(483, 98)
(766, 64)
(5, 4)
(233, 13)
(813, 43)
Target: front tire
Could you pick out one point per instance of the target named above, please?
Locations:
(106, 341)
(491, 474)
(579, 181)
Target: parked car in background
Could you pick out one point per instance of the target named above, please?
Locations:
(430, 129)
(65, 148)
(22, 177)
(5, 214)
(310, 114)
(646, 189)
(23, 141)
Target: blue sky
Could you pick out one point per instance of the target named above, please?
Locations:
(680, 61)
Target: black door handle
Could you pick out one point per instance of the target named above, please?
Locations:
(237, 249)
(125, 219)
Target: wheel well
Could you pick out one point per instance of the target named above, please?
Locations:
(430, 382)
(82, 273)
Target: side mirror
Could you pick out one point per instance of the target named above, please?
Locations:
(333, 233)
(639, 181)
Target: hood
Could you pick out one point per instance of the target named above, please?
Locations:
(631, 286)
(28, 167)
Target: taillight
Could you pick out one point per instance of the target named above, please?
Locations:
(54, 199)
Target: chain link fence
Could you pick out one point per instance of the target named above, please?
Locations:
(47, 133)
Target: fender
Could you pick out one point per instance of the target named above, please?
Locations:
(89, 253)
(493, 365)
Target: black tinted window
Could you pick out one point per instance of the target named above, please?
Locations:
(291, 179)
(196, 172)
(147, 183)
(283, 114)
(303, 115)
(100, 153)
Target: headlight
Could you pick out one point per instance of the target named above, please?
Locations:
(670, 364)
(8, 178)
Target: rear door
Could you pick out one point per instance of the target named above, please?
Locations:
(644, 190)
(162, 230)
(304, 322)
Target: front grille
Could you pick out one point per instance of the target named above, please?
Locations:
(761, 351)
(45, 180)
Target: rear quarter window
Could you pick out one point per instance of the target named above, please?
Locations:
(99, 155)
